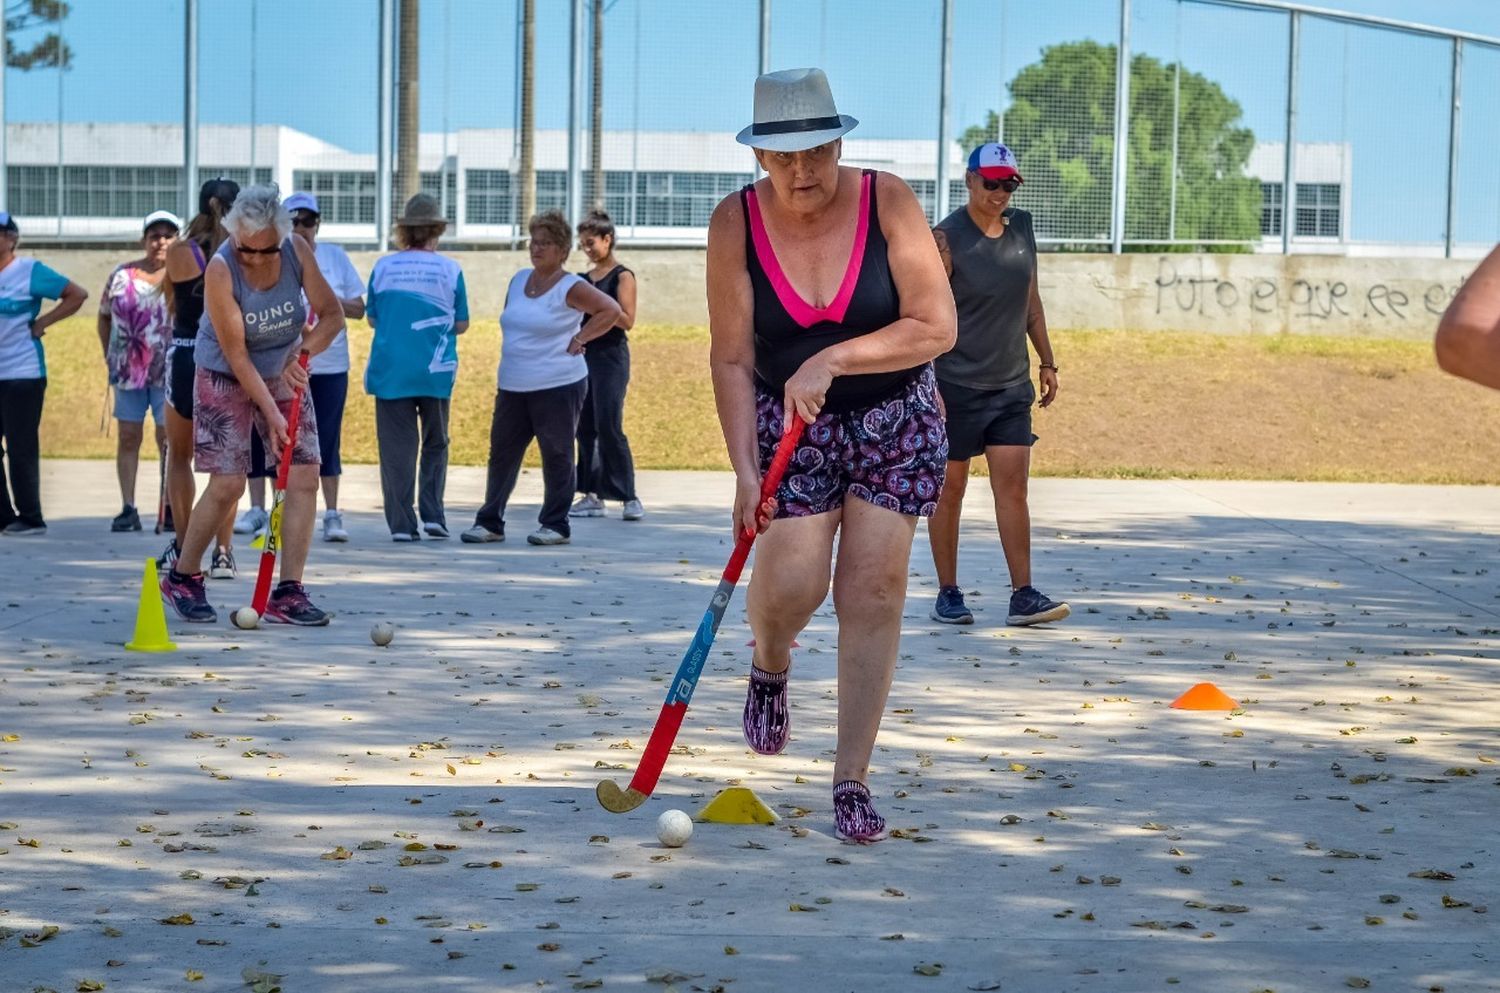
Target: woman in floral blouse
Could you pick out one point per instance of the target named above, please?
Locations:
(135, 329)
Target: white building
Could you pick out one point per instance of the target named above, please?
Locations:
(660, 187)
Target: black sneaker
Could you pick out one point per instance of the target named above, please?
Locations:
(223, 566)
(20, 529)
(1028, 605)
(128, 519)
(289, 605)
(186, 595)
(950, 608)
(166, 522)
(168, 558)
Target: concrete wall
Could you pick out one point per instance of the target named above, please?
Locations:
(1234, 294)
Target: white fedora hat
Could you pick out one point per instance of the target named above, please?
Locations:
(794, 111)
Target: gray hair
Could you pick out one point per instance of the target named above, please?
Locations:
(258, 208)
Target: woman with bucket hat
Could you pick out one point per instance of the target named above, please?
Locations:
(828, 302)
(418, 306)
(989, 253)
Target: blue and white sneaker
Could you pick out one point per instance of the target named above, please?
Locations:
(950, 608)
(1028, 605)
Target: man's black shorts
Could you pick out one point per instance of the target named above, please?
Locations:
(978, 419)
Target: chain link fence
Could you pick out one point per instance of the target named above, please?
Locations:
(1251, 126)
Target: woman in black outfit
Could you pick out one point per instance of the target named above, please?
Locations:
(606, 469)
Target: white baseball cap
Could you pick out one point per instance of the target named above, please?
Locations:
(160, 217)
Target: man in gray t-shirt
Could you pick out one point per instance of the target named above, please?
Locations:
(989, 251)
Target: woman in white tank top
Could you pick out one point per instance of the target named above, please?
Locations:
(542, 381)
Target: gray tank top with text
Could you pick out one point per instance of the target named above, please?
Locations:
(274, 318)
(991, 286)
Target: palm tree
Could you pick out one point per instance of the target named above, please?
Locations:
(408, 175)
(528, 116)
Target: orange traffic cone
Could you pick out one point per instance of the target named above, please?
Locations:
(150, 619)
(1205, 696)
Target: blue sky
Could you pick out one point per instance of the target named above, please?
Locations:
(688, 65)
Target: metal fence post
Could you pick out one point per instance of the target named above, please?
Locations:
(385, 124)
(1289, 158)
(189, 111)
(1453, 139)
(1122, 129)
(575, 114)
(763, 56)
(945, 127)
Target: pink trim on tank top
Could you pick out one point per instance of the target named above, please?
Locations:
(800, 310)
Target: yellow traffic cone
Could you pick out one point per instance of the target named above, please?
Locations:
(737, 805)
(150, 619)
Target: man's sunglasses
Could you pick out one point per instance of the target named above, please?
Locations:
(306, 219)
(273, 250)
(1008, 185)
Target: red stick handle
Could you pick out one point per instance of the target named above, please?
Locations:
(769, 484)
(262, 593)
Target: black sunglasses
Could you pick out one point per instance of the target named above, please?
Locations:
(306, 219)
(1008, 185)
(273, 250)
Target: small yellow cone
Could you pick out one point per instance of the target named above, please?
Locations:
(737, 805)
(259, 541)
(150, 619)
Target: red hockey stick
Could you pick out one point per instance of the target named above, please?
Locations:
(278, 494)
(654, 758)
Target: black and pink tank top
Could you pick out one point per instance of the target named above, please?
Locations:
(789, 331)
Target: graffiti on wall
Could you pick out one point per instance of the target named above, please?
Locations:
(1300, 299)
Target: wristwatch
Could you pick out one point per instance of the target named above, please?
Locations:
(1047, 365)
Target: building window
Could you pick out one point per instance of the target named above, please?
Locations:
(236, 174)
(344, 196)
(1270, 210)
(1318, 210)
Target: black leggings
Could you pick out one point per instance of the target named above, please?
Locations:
(20, 431)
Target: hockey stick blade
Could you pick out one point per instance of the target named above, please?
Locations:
(674, 709)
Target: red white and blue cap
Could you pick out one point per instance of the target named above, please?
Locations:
(993, 160)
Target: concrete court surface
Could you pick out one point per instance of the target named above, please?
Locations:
(302, 804)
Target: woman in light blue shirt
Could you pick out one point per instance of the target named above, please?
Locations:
(417, 307)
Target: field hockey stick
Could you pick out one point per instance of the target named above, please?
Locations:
(654, 758)
(161, 493)
(278, 494)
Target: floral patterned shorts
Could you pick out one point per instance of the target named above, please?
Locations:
(892, 453)
(224, 415)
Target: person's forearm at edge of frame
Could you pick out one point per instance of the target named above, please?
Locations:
(1468, 335)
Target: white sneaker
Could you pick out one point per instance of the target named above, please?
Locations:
(333, 525)
(547, 536)
(434, 530)
(403, 536)
(587, 505)
(251, 521)
(633, 510)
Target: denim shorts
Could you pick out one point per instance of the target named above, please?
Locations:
(891, 453)
(130, 405)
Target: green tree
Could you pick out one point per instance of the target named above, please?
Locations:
(1060, 124)
(47, 52)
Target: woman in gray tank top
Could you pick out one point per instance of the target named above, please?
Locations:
(253, 330)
